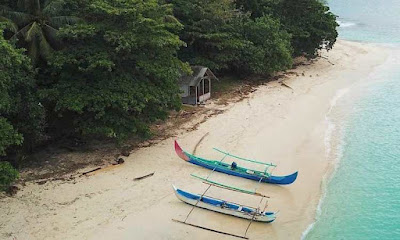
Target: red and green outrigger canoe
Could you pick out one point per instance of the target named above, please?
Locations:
(233, 169)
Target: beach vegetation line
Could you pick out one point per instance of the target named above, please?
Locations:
(109, 68)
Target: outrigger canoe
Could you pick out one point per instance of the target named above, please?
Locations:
(233, 169)
(221, 206)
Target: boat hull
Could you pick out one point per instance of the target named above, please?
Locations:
(281, 180)
(224, 207)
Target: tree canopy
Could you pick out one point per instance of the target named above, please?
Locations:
(117, 71)
(223, 38)
(309, 22)
(34, 24)
(21, 114)
(108, 68)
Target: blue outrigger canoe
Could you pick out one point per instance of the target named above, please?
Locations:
(233, 169)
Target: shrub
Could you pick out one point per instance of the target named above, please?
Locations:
(8, 175)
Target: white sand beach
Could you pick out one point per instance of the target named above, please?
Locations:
(276, 124)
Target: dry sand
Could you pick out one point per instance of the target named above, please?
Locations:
(275, 124)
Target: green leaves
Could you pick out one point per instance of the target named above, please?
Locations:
(77, 32)
(309, 22)
(8, 174)
(8, 136)
(20, 112)
(118, 71)
(208, 31)
(268, 49)
(222, 38)
(110, 67)
(35, 25)
(9, 25)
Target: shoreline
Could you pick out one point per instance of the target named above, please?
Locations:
(334, 153)
(275, 124)
(345, 114)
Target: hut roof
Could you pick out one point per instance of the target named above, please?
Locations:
(198, 73)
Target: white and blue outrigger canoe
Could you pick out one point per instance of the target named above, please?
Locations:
(221, 206)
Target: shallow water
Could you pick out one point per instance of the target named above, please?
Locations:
(368, 20)
(362, 199)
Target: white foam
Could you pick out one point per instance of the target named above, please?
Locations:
(325, 181)
(345, 24)
(330, 124)
(319, 209)
(305, 233)
(331, 127)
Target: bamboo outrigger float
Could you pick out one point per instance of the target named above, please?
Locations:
(233, 169)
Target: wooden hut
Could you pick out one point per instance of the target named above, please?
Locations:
(196, 88)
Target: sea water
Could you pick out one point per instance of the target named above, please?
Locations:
(362, 198)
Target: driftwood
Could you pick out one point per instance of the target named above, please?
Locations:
(327, 60)
(198, 143)
(143, 177)
(285, 85)
(93, 170)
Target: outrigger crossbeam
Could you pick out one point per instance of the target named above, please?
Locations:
(236, 189)
(245, 159)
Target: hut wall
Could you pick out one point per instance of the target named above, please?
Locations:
(204, 97)
(184, 90)
(189, 100)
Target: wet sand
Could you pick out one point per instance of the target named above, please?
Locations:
(286, 126)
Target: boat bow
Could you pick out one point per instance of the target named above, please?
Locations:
(180, 152)
(283, 180)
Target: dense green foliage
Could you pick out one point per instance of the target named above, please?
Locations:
(108, 68)
(268, 47)
(20, 112)
(309, 22)
(34, 24)
(8, 136)
(258, 8)
(117, 72)
(223, 38)
(8, 175)
(209, 32)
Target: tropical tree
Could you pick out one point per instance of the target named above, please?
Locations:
(309, 22)
(21, 114)
(209, 32)
(34, 24)
(267, 47)
(117, 72)
(223, 38)
(257, 8)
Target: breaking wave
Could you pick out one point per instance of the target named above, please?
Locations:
(344, 24)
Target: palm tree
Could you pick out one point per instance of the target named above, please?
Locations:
(34, 25)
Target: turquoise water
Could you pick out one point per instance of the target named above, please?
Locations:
(362, 199)
(368, 20)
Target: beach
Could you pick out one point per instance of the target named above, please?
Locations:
(284, 124)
